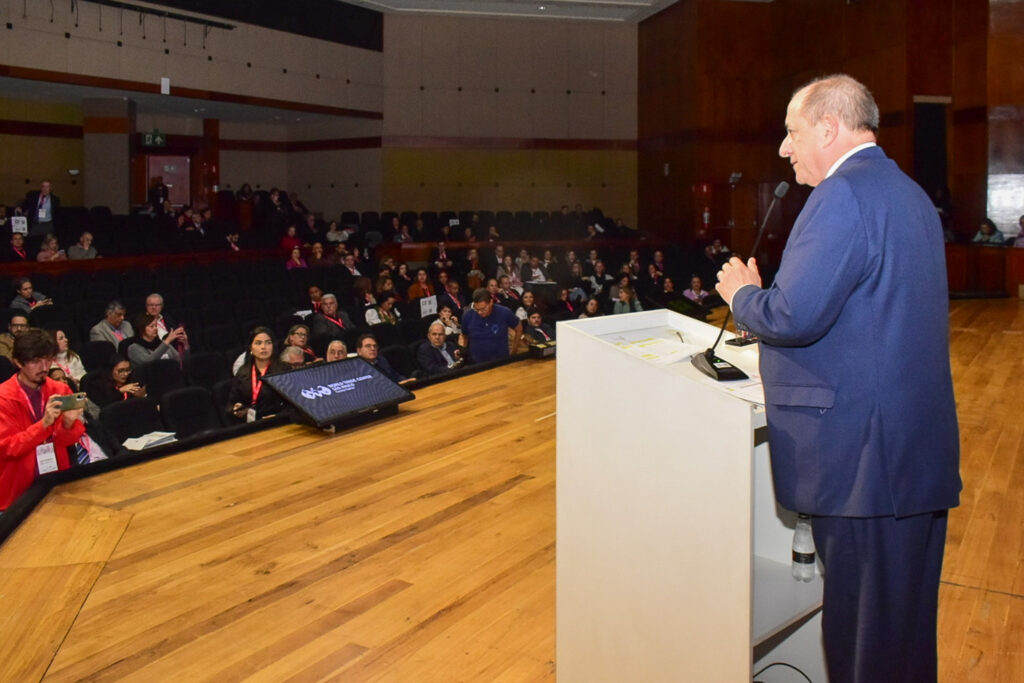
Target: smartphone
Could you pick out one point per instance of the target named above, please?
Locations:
(72, 402)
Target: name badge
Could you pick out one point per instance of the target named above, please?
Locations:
(46, 458)
(42, 214)
(250, 415)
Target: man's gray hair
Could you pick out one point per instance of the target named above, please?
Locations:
(327, 296)
(115, 305)
(436, 323)
(844, 97)
(292, 354)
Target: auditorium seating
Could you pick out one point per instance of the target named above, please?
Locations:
(220, 299)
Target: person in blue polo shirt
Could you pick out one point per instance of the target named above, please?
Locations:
(486, 329)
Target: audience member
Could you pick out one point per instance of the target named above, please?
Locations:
(298, 336)
(438, 355)
(472, 269)
(35, 433)
(66, 359)
(113, 327)
(41, 207)
(336, 351)
(720, 252)
(507, 295)
(533, 271)
(580, 287)
(14, 251)
(538, 331)
(26, 298)
(250, 399)
(988, 234)
(1019, 242)
(526, 304)
(290, 240)
(384, 312)
(155, 307)
(626, 303)
(446, 316)
(402, 280)
(296, 260)
(564, 308)
(488, 331)
(421, 287)
(659, 262)
(293, 357)
(368, 349)
(592, 309)
(316, 256)
(495, 261)
(333, 234)
(633, 263)
(349, 261)
(403, 235)
(452, 295)
(50, 250)
(84, 250)
(16, 327)
(666, 294)
(329, 320)
(599, 280)
(115, 383)
(508, 269)
(696, 292)
(147, 346)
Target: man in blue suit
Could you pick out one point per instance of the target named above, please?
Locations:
(855, 363)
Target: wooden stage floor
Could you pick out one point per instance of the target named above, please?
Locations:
(421, 547)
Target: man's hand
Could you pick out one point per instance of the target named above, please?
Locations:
(70, 416)
(51, 411)
(734, 274)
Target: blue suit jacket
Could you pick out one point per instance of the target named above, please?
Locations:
(855, 350)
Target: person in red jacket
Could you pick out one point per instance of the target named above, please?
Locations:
(34, 433)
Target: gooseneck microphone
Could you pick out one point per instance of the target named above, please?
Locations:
(707, 362)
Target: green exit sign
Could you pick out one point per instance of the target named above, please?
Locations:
(154, 138)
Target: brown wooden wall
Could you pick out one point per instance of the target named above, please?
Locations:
(714, 79)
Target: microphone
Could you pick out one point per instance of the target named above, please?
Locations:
(707, 362)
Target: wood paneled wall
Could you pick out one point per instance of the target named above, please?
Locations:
(714, 79)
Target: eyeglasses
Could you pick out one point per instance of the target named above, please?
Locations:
(19, 326)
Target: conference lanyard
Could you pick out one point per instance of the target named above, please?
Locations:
(257, 384)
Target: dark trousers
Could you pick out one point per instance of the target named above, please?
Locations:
(881, 596)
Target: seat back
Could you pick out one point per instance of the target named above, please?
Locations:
(161, 376)
(188, 411)
(131, 418)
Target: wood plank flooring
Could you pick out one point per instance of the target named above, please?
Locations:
(421, 548)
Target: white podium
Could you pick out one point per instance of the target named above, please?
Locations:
(673, 558)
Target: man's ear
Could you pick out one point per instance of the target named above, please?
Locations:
(829, 126)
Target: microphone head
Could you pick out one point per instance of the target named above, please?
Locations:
(781, 189)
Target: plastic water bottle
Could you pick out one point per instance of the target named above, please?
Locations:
(803, 549)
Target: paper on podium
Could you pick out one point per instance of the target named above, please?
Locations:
(658, 346)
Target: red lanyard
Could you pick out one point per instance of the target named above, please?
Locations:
(257, 384)
(336, 321)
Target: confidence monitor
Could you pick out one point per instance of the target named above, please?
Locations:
(329, 393)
